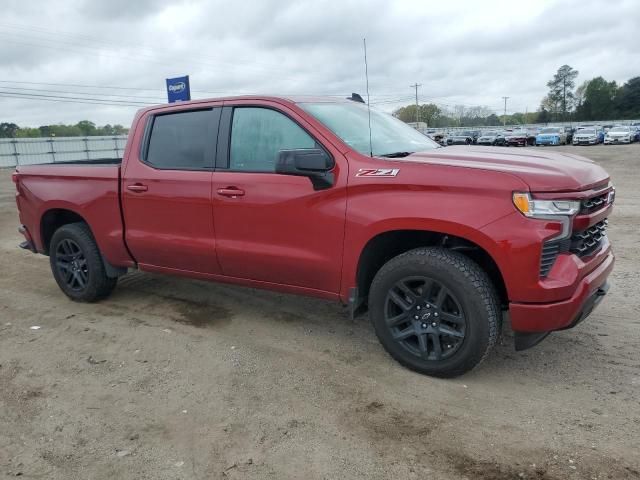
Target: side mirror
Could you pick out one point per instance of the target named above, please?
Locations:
(313, 163)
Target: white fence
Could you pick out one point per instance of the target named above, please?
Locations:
(29, 151)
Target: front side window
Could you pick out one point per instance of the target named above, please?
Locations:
(180, 141)
(258, 135)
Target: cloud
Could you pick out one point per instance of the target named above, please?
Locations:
(461, 52)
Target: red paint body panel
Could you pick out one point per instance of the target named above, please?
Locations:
(544, 317)
(91, 192)
(281, 234)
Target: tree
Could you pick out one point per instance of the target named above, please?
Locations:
(561, 89)
(86, 127)
(543, 116)
(627, 101)
(551, 106)
(492, 120)
(597, 100)
(580, 95)
(8, 130)
(427, 113)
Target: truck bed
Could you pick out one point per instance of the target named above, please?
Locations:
(88, 188)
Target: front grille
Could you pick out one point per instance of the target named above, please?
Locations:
(588, 241)
(592, 204)
(582, 244)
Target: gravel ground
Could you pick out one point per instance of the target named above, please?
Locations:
(180, 379)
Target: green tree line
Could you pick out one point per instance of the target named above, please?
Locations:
(84, 128)
(594, 99)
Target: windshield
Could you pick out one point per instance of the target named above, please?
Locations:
(350, 122)
(587, 131)
(491, 134)
(620, 130)
(550, 130)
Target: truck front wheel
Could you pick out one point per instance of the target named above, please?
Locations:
(77, 264)
(435, 311)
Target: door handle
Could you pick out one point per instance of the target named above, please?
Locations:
(232, 192)
(137, 187)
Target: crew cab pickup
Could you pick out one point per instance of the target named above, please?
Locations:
(324, 197)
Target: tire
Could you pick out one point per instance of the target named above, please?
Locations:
(456, 307)
(77, 264)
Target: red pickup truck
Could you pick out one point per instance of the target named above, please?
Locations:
(313, 196)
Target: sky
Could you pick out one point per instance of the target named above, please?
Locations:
(65, 61)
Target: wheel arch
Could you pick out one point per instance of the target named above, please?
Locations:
(388, 244)
(54, 218)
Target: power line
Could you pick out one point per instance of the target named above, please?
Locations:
(101, 101)
(4, 95)
(158, 99)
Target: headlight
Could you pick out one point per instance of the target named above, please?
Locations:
(544, 208)
(559, 210)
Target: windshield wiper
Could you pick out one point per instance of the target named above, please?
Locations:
(396, 154)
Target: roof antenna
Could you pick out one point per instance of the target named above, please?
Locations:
(366, 74)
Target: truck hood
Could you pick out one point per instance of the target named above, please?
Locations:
(542, 170)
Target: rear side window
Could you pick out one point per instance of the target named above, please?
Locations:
(258, 135)
(181, 141)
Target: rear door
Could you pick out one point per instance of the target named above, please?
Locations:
(166, 191)
(273, 227)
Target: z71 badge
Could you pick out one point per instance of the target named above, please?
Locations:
(377, 172)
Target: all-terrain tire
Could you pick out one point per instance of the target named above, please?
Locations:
(471, 290)
(77, 266)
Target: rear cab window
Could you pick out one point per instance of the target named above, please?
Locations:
(183, 140)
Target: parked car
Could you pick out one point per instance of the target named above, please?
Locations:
(467, 137)
(300, 195)
(635, 131)
(619, 134)
(519, 138)
(569, 133)
(493, 137)
(599, 130)
(586, 136)
(439, 137)
(551, 136)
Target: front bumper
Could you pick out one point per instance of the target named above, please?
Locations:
(611, 141)
(585, 142)
(547, 141)
(546, 317)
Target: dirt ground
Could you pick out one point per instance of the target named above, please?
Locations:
(178, 379)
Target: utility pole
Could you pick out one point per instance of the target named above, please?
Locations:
(564, 98)
(416, 85)
(504, 118)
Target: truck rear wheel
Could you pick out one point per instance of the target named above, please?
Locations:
(435, 311)
(77, 264)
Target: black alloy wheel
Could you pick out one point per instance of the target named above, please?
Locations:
(435, 311)
(425, 318)
(77, 264)
(72, 265)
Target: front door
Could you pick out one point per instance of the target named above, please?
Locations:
(273, 227)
